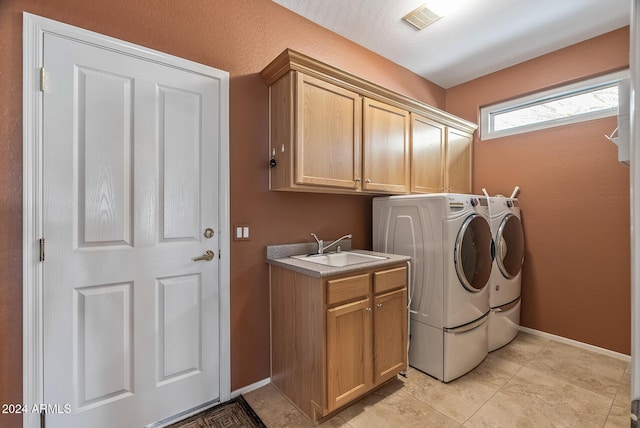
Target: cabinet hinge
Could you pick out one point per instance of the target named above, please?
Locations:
(43, 80)
(41, 249)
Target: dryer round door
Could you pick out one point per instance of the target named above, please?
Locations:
(510, 246)
(473, 253)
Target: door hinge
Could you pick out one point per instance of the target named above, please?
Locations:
(41, 249)
(635, 413)
(43, 80)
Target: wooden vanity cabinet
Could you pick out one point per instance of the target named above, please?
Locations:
(334, 339)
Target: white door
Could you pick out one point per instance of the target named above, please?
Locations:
(131, 321)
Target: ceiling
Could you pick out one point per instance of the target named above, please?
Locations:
(475, 38)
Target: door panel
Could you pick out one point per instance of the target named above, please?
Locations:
(180, 163)
(458, 161)
(328, 134)
(179, 315)
(390, 337)
(385, 148)
(131, 322)
(348, 352)
(427, 155)
(104, 343)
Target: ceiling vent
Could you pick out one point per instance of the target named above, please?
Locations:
(421, 17)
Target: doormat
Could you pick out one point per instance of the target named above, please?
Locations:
(233, 413)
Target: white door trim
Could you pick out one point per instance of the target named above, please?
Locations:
(34, 28)
(634, 67)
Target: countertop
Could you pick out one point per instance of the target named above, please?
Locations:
(279, 255)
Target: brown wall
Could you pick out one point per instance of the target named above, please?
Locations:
(574, 197)
(240, 36)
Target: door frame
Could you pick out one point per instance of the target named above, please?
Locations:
(34, 28)
(634, 139)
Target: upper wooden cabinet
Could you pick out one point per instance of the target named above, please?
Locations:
(331, 131)
(440, 156)
(327, 140)
(458, 161)
(385, 148)
(428, 148)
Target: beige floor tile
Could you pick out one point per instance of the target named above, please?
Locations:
(619, 415)
(589, 370)
(533, 399)
(521, 349)
(392, 406)
(458, 399)
(532, 382)
(275, 410)
(494, 372)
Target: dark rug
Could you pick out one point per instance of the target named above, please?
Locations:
(233, 413)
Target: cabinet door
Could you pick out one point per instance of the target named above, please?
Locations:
(349, 371)
(386, 148)
(328, 140)
(458, 175)
(390, 334)
(427, 155)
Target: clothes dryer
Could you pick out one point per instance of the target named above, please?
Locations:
(505, 282)
(448, 238)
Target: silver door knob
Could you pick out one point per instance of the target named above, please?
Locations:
(206, 256)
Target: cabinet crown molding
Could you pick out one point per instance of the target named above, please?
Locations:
(290, 60)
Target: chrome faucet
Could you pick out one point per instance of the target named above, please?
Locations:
(322, 247)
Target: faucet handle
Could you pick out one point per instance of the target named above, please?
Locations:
(315, 237)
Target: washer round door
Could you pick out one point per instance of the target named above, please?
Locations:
(510, 246)
(473, 253)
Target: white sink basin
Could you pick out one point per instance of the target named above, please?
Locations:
(343, 258)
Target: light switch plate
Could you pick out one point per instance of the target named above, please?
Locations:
(241, 232)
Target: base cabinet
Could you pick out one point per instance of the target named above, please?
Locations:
(335, 339)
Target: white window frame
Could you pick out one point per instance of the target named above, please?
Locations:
(487, 113)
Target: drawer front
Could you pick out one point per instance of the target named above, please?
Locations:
(389, 279)
(344, 289)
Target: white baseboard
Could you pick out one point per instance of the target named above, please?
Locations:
(575, 343)
(249, 388)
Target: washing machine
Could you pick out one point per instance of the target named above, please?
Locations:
(448, 238)
(505, 281)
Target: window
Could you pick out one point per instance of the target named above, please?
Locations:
(587, 100)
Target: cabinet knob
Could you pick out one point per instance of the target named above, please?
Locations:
(368, 309)
(379, 305)
(358, 180)
(368, 180)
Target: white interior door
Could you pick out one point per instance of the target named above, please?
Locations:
(130, 185)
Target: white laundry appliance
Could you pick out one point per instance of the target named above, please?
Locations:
(448, 238)
(505, 282)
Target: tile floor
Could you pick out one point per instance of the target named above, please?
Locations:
(532, 382)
